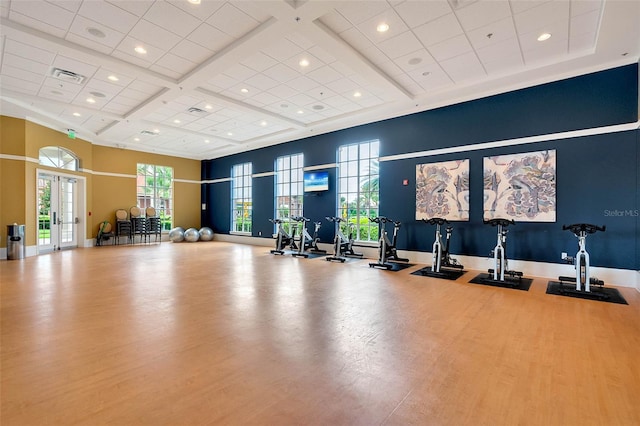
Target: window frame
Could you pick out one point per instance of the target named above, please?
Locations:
(288, 183)
(165, 210)
(242, 174)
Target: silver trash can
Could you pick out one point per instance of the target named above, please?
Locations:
(15, 242)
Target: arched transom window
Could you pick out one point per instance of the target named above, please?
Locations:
(60, 158)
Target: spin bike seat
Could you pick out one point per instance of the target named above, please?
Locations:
(577, 228)
(499, 221)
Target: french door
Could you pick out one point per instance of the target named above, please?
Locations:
(57, 212)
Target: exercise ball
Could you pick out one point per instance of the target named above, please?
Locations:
(176, 235)
(206, 234)
(191, 235)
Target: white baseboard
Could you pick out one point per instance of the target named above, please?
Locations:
(611, 276)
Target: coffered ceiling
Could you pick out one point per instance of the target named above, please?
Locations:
(211, 78)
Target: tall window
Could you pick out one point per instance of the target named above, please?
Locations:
(155, 189)
(358, 188)
(289, 188)
(241, 198)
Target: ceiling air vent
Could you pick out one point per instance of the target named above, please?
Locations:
(194, 110)
(68, 76)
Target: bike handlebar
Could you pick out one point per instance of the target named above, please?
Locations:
(300, 219)
(435, 221)
(499, 221)
(584, 227)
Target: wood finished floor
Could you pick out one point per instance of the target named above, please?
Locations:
(217, 333)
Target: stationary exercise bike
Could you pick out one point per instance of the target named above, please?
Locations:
(386, 249)
(441, 257)
(499, 253)
(283, 239)
(306, 241)
(342, 245)
(583, 279)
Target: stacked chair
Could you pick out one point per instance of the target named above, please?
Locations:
(123, 226)
(138, 224)
(153, 225)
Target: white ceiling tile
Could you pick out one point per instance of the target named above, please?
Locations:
(578, 7)
(400, 45)
(300, 40)
(389, 17)
(559, 31)
(320, 93)
(48, 13)
(416, 13)
(336, 22)
(81, 25)
(172, 18)
(265, 98)
(495, 51)
(135, 7)
(109, 15)
(25, 64)
(321, 54)
(519, 6)
(439, 30)
(28, 51)
(231, 20)
(85, 42)
(282, 91)
(343, 69)
(302, 84)
(32, 77)
(222, 82)
(357, 12)
(192, 51)
(262, 82)
(430, 77)
(209, 37)
(282, 50)
(337, 101)
(504, 64)
(240, 73)
(36, 24)
(450, 48)
(343, 85)
(256, 9)
(414, 60)
(300, 100)
(175, 63)
(356, 39)
(498, 31)
(390, 68)
(582, 42)
(294, 62)
(548, 51)
(463, 67)
(281, 73)
(534, 20)
(125, 51)
(78, 67)
(70, 5)
(154, 35)
(324, 75)
(482, 13)
(201, 11)
(259, 61)
(103, 75)
(107, 88)
(585, 23)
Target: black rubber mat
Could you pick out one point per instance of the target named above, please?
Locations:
(600, 294)
(446, 274)
(395, 266)
(514, 283)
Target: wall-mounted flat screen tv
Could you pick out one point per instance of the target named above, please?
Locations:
(316, 181)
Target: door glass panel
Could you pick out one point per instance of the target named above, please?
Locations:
(44, 211)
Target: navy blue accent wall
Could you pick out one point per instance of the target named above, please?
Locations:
(597, 176)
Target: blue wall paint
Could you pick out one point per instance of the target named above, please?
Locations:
(595, 174)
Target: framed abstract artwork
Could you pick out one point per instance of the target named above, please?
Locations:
(521, 187)
(442, 190)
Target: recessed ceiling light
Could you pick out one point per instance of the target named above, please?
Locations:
(136, 139)
(544, 36)
(263, 123)
(141, 50)
(97, 94)
(300, 111)
(194, 1)
(91, 100)
(206, 141)
(76, 114)
(244, 90)
(357, 94)
(229, 134)
(304, 62)
(113, 78)
(156, 131)
(176, 121)
(382, 27)
(208, 106)
(96, 32)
